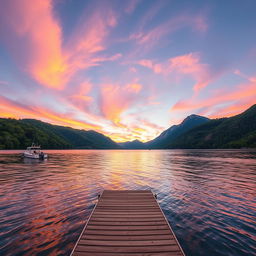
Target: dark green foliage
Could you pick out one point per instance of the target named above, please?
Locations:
(14, 134)
(77, 138)
(18, 134)
(234, 132)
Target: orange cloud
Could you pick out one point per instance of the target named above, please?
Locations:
(34, 36)
(10, 108)
(116, 99)
(134, 88)
(142, 130)
(137, 129)
(223, 103)
(80, 99)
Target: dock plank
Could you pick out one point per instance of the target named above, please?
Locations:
(127, 222)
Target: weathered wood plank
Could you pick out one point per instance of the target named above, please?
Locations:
(127, 232)
(110, 227)
(126, 219)
(126, 243)
(130, 223)
(126, 238)
(111, 215)
(128, 249)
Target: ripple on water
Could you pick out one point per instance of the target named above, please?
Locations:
(208, 197)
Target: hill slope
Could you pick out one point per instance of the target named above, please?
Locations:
(164, 139)
(233, 132)
(77, 138)
(18, 134)
(14, 134)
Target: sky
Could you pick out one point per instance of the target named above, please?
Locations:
(128, 69)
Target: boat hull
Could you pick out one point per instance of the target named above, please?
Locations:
(35, 156)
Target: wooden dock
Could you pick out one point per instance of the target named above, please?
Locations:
(127, 223)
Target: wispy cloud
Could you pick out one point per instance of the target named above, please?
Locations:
(150, 37)
(89, 39)
(115, 99)
(188, 64)
(131, 6)
(34, 36)
(19, 110)
(223, 102)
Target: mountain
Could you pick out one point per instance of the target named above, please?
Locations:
(77, 138)
(135, 144)
(165, 138)
(234, 132)
(194, 132)
(18, 134)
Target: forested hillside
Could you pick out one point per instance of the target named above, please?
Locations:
(233, 132)
(18, 134)
(14, 134)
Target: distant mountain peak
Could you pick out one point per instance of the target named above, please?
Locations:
(134, 144)
(176, 130)
(136, 141)
(194, 116)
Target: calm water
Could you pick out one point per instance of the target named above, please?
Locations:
(208, 197)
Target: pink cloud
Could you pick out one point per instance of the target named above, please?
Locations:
(150, 38)
(131, 6)
(133, 69)
(239, 73)
(88, 39)
(133, 88)
(34, 36)
(188, 64)
(115, 99)
(200, 23)
(152, 100)
(146, 63)
(11, 108)
(223, 102)
(80, 98)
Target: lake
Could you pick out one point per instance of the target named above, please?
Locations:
(208, 196)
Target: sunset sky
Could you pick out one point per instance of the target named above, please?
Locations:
(127, 69)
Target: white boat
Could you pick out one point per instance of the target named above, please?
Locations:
(34, 152)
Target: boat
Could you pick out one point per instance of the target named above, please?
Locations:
(34, 152)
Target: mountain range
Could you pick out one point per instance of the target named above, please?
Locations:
(193, 132)
(200, 132)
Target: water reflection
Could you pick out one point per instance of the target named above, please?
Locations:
(207, 195)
